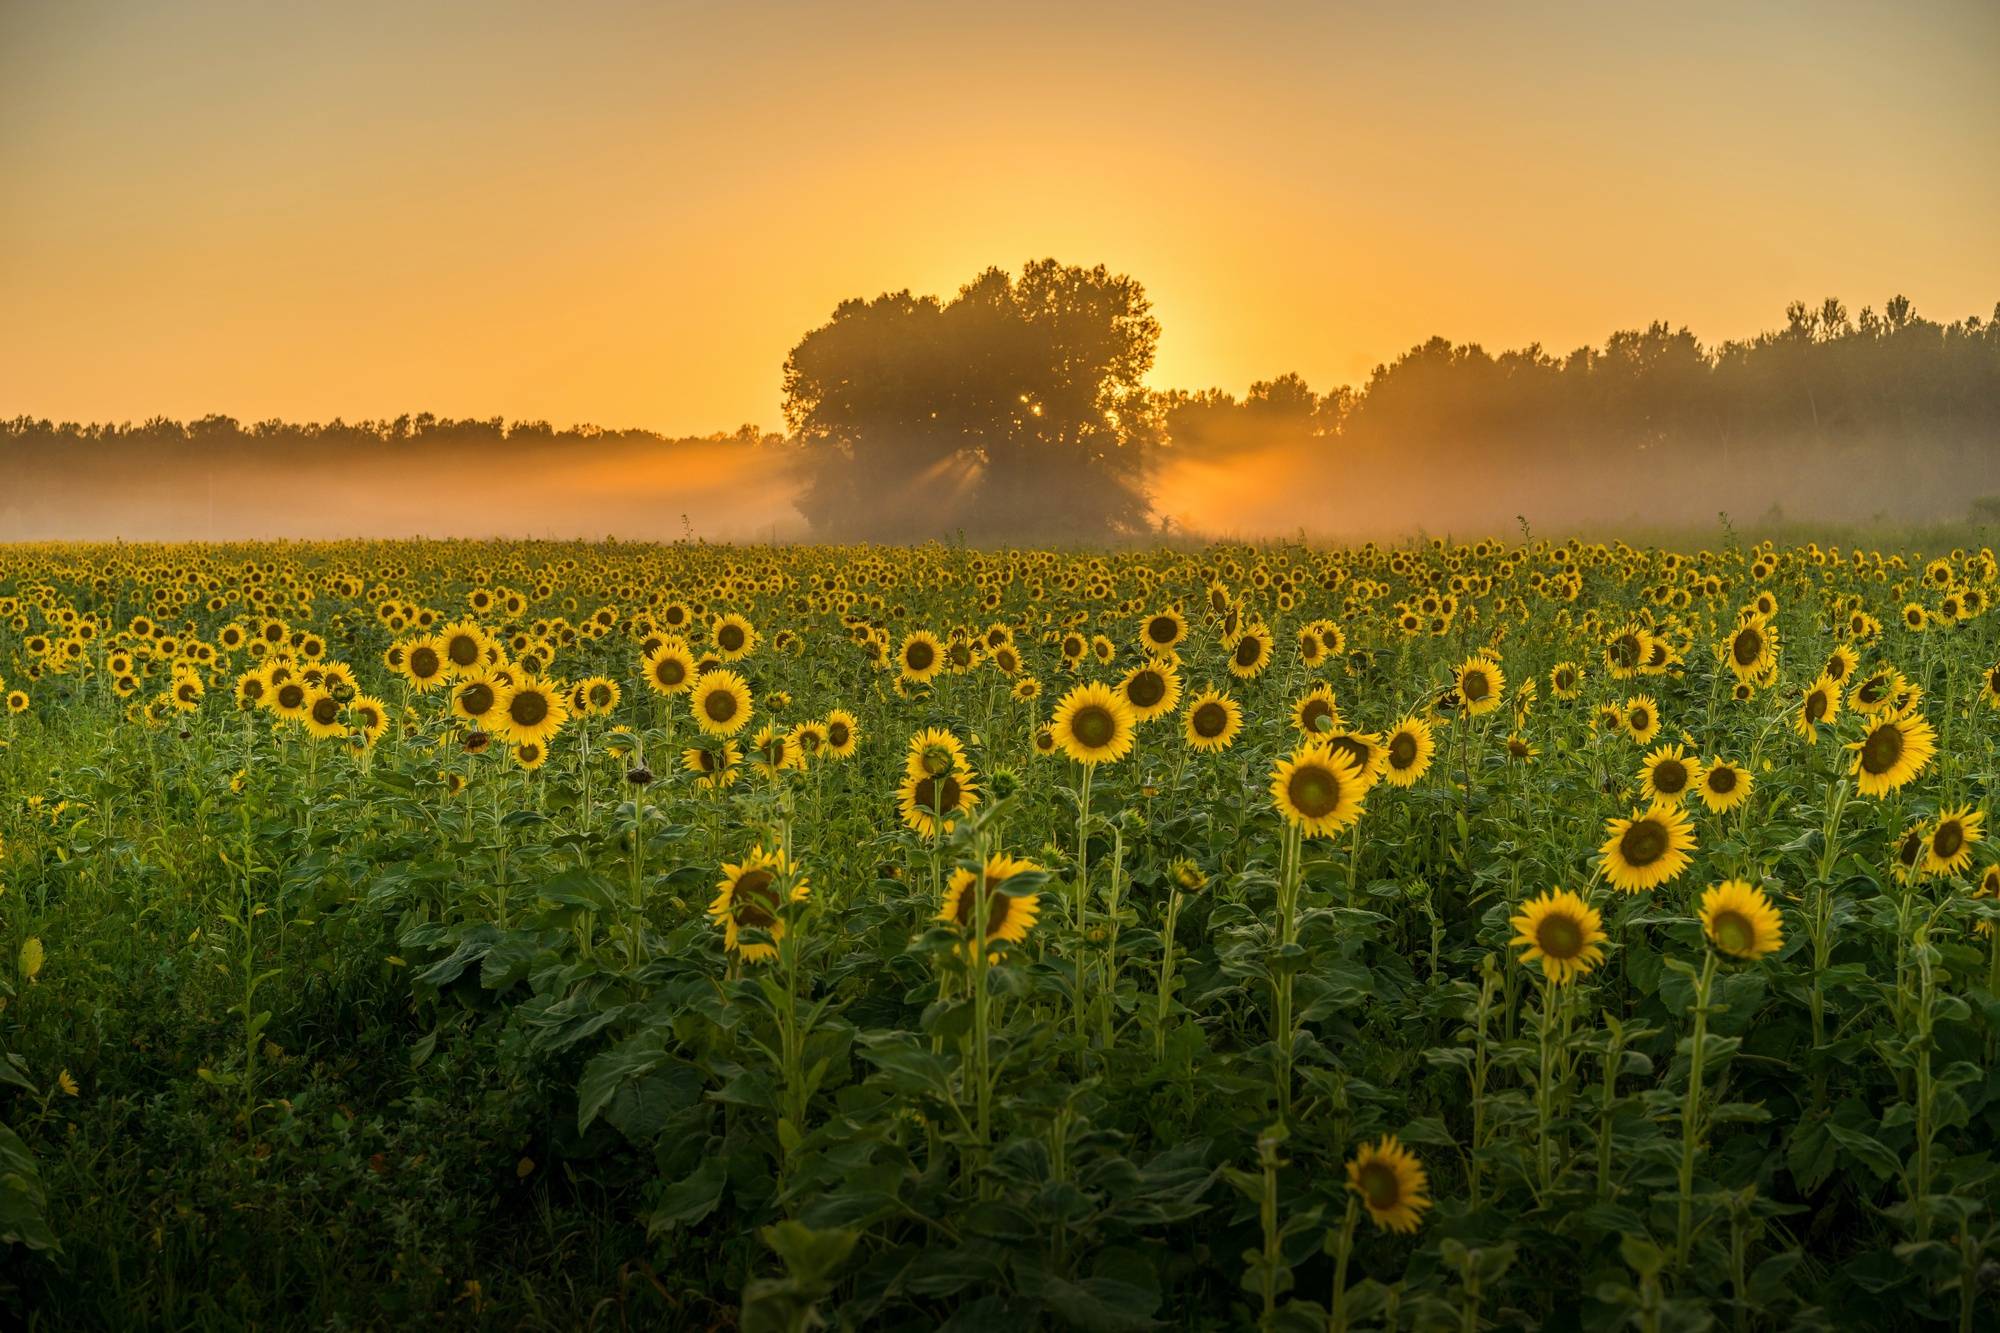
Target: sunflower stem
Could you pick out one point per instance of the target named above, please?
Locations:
(1691, 1112)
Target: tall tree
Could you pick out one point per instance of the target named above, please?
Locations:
(1015, 411)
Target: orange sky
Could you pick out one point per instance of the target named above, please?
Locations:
(627, 213)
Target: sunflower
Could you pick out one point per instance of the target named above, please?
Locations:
(774, 751)
(1521, 750)
(187, 691)
(1009, 916)
(289, 700)
(597, 696)
(322, 715)
(934, 751)
(1819, 707)
(1642, 719)
(1318, 789)
(720, 703)
(1093, 725)
(1669, 773)
(713, 768)
(1626, 652)
(1647, 850)
(1893, 752)
(921, 657)
(926, 802)
(370, 718)
(1151, 690)
(1407, 751)
(1723, 785)
(1878, 691)
(530, 710)
(1990, 689)
(1045, 741)
(1840, 664)
(752, 896)
(1907, 862)
(734, 638)
(843, 734)
(1315, 713)
(1740, 920)
(1948, 849)
(1391, 1184)
(669, 668)
(424, 664)
(529, 755)
(1251, 652)
(475, 696)
(464, 646)
(1752, 649)
(1480, 684)
(1562, 932)
(1211, 720)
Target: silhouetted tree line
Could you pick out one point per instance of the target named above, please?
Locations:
(1016, 411)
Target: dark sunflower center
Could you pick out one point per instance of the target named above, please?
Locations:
(1403, 750)
(1625, 649)
(731, 638)
(1949, 837)
(836, 733)
(720, 705)
(1816, 705)
(1380, 1186)
(670, 671)
(1312, 713)
(527, 708)
(324, 711)
(1565, 679)
(919, 656)
(1475, 685)
(1670, 776)
(477, 697)
(1644, 843)
(1210, 720)
(1160, 629)
(1641, 719)
(1746, 647)
(1733, 932)
(755, 901)
(1559, 936)
(463, 650)
(1146, 689)
(938, 795)
(1314, 791)
(291, 696)
(1882, 749)
(1248, 650)
(424, 663)
(1093, 726)
(1354, 748)
(1722, 781)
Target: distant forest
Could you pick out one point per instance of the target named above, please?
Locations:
(1016, 412)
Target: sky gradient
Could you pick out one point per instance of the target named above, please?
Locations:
(628, 213)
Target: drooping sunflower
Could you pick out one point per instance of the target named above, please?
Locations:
(669, 668)
(1407, 751)
(752, 897)
(1723, 785)
(1151, 690)
(933, 804)
(1669, 773)
(1392, 1184)
(1741, 921)
(1948, 849)
(1315, 713)
(1818, 707)
(1648, 849)
(1895, 750)
(921, 657)
(1480, 684)
(1318, 789)
(1211, 720)
(530, 710)
(720, 703)
(1093, 725)
(1009, 916)
(1561, 932)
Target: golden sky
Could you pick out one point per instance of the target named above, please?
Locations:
(627, 213)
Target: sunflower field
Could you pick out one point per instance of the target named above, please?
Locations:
(554, 935)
